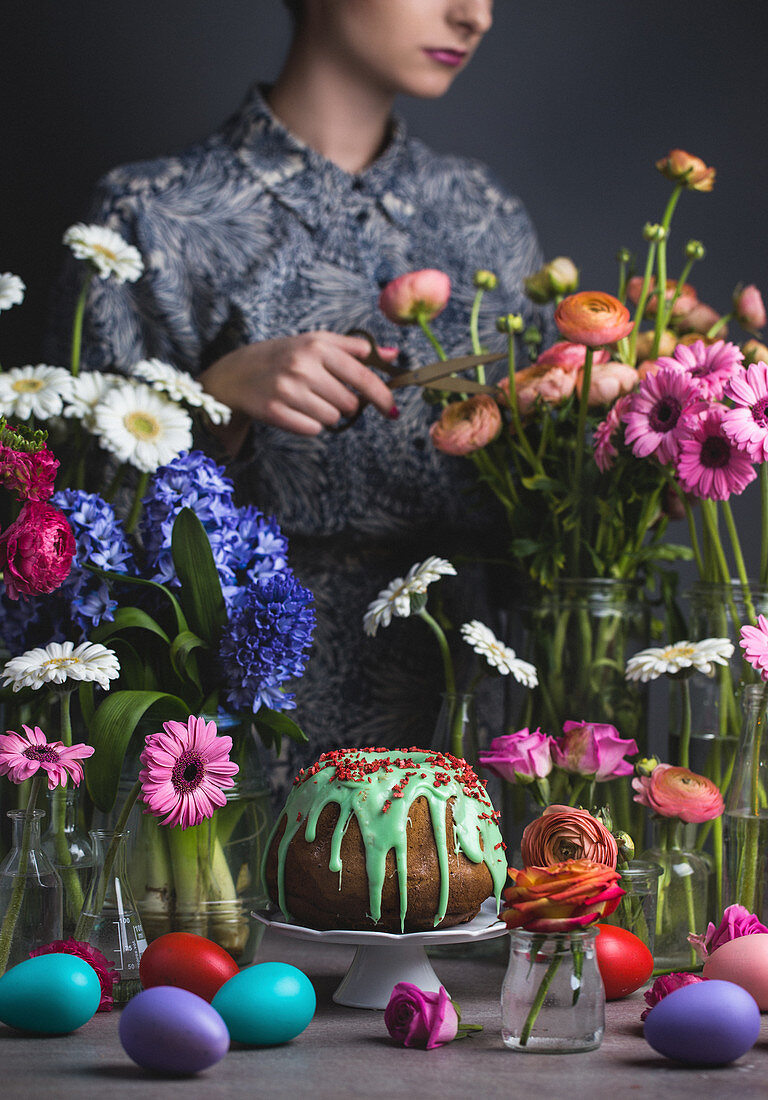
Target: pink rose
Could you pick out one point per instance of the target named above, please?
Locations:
(749, 309)
(569, 357)
(665, 985)
(737, 921)
(594, 318)
(466, 426)
(679, 792)
(593, 749)
(607, 382)
(419, 295)
(36, 551)
(417, 1018)
(519, 757)
(566, 832)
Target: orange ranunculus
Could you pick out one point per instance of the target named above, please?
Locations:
(561, 898)
(415, 295)
(607, 382)
(567, 832)
(466, 426)
(682, 167)
(593, 318)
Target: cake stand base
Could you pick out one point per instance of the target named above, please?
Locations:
(383, 959)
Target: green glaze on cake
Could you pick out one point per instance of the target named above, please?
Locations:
(378, 787)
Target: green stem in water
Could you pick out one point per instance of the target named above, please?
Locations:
(85, 922)
(741, 568)
(77, 324)
(540, 997)
(20, 881)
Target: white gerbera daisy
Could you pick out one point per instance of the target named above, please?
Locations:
(497, 654)
(11, 290)
(668, 660)
(395, 599)
(34, 391)
(61, 661)
(182, 387)
(142, 427)
(85, 393)
(106, 251)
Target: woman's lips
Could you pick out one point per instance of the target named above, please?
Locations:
(447, 57)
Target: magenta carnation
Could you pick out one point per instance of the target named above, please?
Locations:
(665, 985)
(105, 972)
(710, 365)
(186, 769)
(22, 757)
(746, 425)
(593, 749)
(657, 414)
(36, 551)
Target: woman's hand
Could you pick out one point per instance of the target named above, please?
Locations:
(300, 383)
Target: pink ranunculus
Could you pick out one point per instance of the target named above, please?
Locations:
(567, 832)
(593, 749)
(749, 308)
(665, 985)
(466, 426)
(737, 921)
(681, 167)
(36, 551)
(569, 357)
(686, 300)
(607, 382)
(519, 757)
(699, 319)
(29, 475)
(418, 295)
(552, 385)
(679, 792)
(418, 1018)
(594, 318)
(754, 351)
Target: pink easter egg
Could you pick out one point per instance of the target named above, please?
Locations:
(745, 962)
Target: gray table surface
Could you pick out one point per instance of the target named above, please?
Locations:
(346, 1052)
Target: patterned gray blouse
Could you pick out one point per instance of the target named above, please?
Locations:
(251, 235)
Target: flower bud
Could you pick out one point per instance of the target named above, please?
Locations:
(563, 275)
(754, 352)
(604, 814)
(485, 280)
(510, 322)
(695, 250)
(681, 167)
(537, 287)
(414, 296)
(652, 231)
(748, 307)
(623, 256)
(626, 846)
(646, 765)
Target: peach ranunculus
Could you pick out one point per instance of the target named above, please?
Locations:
(561, 898)
(607, 382)
(679, 792)
(686, 300)
(749, 308)
(569, 357)
(754, 352)
(645, 339)
(466, 426)
(418, 295)
(700, 320)
(553, 385)
(567, 832)
(594, 318)
(681, 167)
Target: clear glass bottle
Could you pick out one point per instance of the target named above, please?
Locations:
(30, 892)
(637, 909)
(110, 918)
(745, 822)
(552, 998)
(683, 893)
(70, 851)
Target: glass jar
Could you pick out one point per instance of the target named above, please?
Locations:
(552, 998)
(456, 729)
(70, 851)
(637, 909)
(683, 894)
(30, 892)
(745, 822)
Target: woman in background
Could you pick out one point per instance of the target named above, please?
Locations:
(263, 246)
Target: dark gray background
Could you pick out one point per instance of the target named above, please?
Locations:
(570, 101)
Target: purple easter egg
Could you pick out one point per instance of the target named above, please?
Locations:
(172, 1031)
(709, 1023)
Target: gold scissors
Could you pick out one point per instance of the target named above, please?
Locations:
(439, 375)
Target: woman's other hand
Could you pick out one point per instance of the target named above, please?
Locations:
(300, 383)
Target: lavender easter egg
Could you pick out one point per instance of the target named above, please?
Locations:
(745, 962)
(709, 1023)
(172, 1031)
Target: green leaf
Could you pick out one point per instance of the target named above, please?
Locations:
(126, 578)
(113, 726)
(184, 644)
(201, 594)
(128, 618)
(87, 701)
(273, 725)
(541, 484)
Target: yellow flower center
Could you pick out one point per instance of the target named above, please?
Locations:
(28, 385)
(143, 425)
(682, 649)
(110, 255)
(60, 662)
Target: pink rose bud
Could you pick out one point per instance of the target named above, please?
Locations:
(518, 757)
(665, 985)
(679, 792)
(594, 749)
(466, 426)
(681, 167)
(36, 551)
(417, 1018)
(607, 382)
(594, 318)
(749, 309)
(418, 295)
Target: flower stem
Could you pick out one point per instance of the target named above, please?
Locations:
(662, 313)
(685, 724)
(141, 489)
(85, 921)
(77, 325)
(424, 326)
(540, 997)
(20, 879)
(445, 652)
(640, 310)
(581, 425)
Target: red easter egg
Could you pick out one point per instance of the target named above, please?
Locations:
(625, 963)
(187, 961)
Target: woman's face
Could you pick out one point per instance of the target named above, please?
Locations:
(416, 47)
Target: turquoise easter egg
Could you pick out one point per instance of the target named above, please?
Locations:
(266, 1004)
(49, 994)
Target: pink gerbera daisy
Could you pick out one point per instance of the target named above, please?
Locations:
(710, 365)
(747, 424)
(605, 450)
(710, 465)
(21, 758)
(186, 769)
(657, 415)
(754, 641)
(105, 972)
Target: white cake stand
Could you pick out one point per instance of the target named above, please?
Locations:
(383, 959)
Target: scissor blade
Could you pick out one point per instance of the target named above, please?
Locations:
(443, 368)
